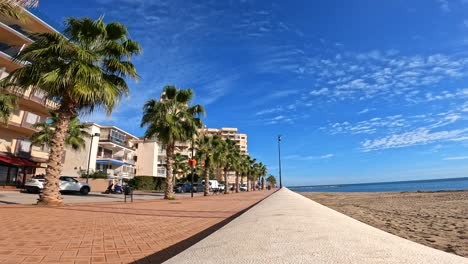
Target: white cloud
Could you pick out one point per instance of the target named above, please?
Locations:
(322, 91)
(299, 157)
(418, 137)
(456, 158)
(444, 5)
(363, 111)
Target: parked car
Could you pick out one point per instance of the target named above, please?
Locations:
(214, 185)
(35, 184)
(200, 187)
(67, 184)
(221, 187)
(182, 187)
(243, 187)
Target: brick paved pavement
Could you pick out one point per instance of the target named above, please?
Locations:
(142, 232)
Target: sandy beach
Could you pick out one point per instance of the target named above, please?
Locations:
(434, 219)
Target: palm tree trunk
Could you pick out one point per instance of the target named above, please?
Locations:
(50, 195)
(225, 181)
(248, 184)
(169, 192)
(206, 190)
(237, 182)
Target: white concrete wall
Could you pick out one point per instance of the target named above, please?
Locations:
(147, 158)
(76, 160)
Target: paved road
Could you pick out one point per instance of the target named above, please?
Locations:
(16, 197)
(289, 228)
(145, 231)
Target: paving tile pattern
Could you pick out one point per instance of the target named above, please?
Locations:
(110, 232)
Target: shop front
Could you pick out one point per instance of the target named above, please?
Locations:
(15, 171)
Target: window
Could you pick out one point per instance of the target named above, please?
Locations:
(31, 118)
(117, 137)
(24, 145)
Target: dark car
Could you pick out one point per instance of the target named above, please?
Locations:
(182, 187)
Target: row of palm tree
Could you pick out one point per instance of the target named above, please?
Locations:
(173, 120)
(87, 68)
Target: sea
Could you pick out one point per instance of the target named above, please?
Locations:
(398, 186)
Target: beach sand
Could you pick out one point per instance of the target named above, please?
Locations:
(434, 219)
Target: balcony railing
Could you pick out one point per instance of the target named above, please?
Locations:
(115, 157)
(11, 51)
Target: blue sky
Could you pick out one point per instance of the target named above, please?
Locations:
(362, 91)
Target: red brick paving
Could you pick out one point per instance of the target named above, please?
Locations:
(111, 232)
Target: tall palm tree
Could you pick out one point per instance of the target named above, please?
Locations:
(15, 8)
(8, 103)
(219, 155)
(172, 120)
(75, 136)
(237, 167)
(205, 155)
(263, 171)
(228, 161)
(82, 71)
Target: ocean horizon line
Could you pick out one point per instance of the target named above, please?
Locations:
(373, 183)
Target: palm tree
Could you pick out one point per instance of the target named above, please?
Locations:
(180, 165)
(272, 180)
(262, 171)
(205, 155)
(8, 103)
(219, 155)
(75, 136)
(230, 154)
(15, 8)
(84, 70)
(172, 120)
(237, 166)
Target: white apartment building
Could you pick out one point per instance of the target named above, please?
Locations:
(109, 149)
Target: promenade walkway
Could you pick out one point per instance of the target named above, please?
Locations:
(289, 228)
(142, 232)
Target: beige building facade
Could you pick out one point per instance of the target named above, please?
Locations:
(109, 150)
(19, 159)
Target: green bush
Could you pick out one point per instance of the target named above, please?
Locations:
(148, 183)
(95, 175)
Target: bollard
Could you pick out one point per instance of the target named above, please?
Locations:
(128, 190)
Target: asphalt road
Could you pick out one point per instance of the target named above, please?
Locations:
(16, 197)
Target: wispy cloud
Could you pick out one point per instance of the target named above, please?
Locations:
(299, 157)
(419, 137)
(456, 158)
(444, 5)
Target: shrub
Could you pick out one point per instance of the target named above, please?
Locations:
(147, 183)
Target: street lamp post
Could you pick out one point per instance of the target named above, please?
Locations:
(192, 165)
(279, 160)
(89, 157)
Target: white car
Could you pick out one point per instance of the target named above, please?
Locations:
(243, 187)
(67, 184)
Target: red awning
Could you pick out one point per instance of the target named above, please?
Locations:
(17, 161)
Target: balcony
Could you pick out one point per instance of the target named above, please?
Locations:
(115, 157)
(11, 51)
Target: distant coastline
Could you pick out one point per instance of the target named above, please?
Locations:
(413, 185)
